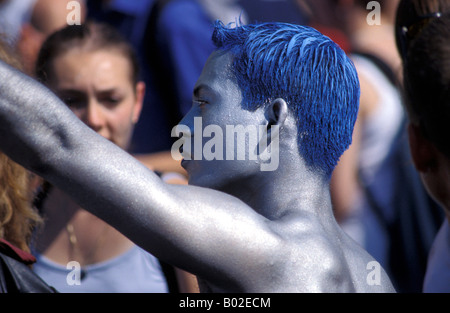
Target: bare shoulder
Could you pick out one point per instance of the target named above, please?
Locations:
(315, 260)
(311, 259)
(368, 275)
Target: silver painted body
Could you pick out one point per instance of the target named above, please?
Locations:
(237, 228)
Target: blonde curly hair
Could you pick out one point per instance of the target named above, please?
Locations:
(17, 215)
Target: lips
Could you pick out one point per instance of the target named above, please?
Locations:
(185, 154)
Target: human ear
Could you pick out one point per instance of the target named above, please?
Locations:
(276, 112)
(423, 151)
(140, 93)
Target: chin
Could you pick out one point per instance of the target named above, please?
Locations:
(203, 176)
(196, 179)
(217, 181)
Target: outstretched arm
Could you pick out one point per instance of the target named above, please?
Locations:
(208, 233)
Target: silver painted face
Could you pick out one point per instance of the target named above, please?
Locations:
(217, 116)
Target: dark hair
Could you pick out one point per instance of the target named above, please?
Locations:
(412, 17)
(427, 82)
(89, 36)
(309, 71)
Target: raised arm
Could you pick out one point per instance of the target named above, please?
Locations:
(200, 230)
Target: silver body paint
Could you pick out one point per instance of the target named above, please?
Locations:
(239, 229)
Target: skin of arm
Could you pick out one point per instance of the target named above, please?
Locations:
(41, 133)
(161, 161)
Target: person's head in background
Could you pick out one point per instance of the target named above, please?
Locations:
(94, 70)
(46, 17)
(336, 13)
(351, 22)
(17, 216)
(13, 15)
(411, 18)
(426, 82)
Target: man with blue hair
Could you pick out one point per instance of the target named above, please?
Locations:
(235, 226)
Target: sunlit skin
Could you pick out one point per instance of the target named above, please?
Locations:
(97, 88)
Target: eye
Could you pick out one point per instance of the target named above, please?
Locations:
(110, 101)
(110, 98)
(201, 103)
(74, 99)
(73, 102)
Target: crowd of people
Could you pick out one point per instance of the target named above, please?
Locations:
(355, 108)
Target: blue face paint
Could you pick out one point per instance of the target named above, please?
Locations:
(307, 69)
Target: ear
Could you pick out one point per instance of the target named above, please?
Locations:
(347, 3)
(423, 151)
(276, 113)
(140, 93)
(28, 46)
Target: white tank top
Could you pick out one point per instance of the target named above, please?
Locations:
(381, 127)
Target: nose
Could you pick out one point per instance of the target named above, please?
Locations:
(185, 131)
(94, 117)
(188, 119)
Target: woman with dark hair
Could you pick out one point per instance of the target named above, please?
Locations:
(412, 17)
(426, 81)
(95, 73)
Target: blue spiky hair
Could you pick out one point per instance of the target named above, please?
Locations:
(309, 71)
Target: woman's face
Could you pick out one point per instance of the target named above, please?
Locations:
(97, 87)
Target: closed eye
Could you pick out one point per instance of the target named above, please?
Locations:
(110, 98)
(73, 99)
(201, 92)
(201, 103)
(110, 101)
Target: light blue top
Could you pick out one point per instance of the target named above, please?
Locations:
(135, 271)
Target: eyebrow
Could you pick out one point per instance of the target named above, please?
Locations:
(108, 91)
(68, 91)
(76, 91)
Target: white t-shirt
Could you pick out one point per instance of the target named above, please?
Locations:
(381, 127)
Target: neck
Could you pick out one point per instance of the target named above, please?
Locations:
(375, 39)
(73, 234)
(357, 19)
(289, 189)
